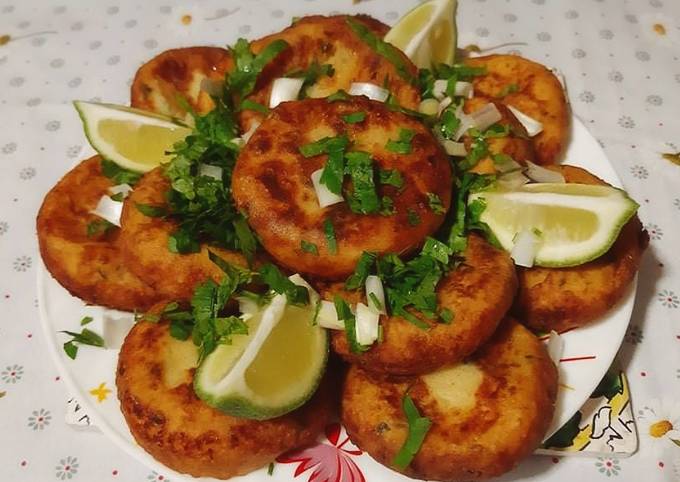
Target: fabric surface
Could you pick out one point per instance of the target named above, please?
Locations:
(621, 60)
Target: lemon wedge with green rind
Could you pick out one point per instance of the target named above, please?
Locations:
(574, 223)
(427, 34)
(271, 371)
(132, 138)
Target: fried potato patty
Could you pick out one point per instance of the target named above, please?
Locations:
(487, 414)
(154, 380)
(563, 298)
(539, 95)
(178, 73)
(479, 292)
(89, 267)
(144, 245)
(330, 40)
(272, 184)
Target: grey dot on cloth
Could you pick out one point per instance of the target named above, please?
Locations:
(642, 55)
(9, 148)
(571, 14)
(277, 13)
(76, 27)
(615, 76)
(34, 101)
(606, 34)
(392, 15)
(165, 9)
(57, 63)
(8, 9)
(578, 53)
(130, 23)
(244, 29)
(38, 41)
(544, 36)
(654, 99)
(631, 18)
(150, 43)
(112, 10)
(24, 24)
(510, 17)
(94, 45)
(482, 32)
(656, 3)
(59, 9)
(75, 82)
(113, 60)
(16, 81)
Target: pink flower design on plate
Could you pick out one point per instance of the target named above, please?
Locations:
(330, 463)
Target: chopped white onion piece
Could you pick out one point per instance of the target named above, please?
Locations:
(455, 148)
(371, 91)
(300, 281)
(532, 126)
(439, 88)
(109, 209)
(247, 306)
(115, 330)
(540, 174)
(210, 171)
(511, 181)
(443, 104)
(555, 347)
(212, 87)
(328, 316)
(123, 189)
(463, 89)
(486, 116)
(284, 89)
(507, 165)
(323, 194)
(367, 322)
(429, 107)
(374, 287)
(524, 250)
(466, 122)
(253, 127)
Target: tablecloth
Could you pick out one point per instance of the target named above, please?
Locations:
(621, 60)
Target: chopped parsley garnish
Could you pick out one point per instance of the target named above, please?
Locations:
(151, 210)
(435, 203)
(361, 271)
(403, 144)
(338, 96)
(387, 206)
(376, 302)
(508, 89)
(363, 198)
(311, 75)
(248, 104)
(449, 123)
(270, 469)
(241, 81)
(86, 320)
(98, 227)
(437, 250)
(346, 315)
(329, 233)
(446, 316)
(413, 217)
(382, 48)
(354, 117)
(85, 337)
(450, 73)
(118, 174)
(391, 177)
(279, 283)
(418, 427)
(118, 197)
(308, 247)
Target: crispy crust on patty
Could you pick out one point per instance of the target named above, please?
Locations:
(179, 73)
(539, 95)
(144, 245)
(179, 430)
(564, 298)
(487, 414)
(89, 267)
(272, 184)
(478, 292)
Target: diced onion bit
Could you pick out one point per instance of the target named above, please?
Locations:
(115, 330)
(532, 126)
(367, 322)
(375, 292)
(323, 194)
(209, 170)
(455, 148)
(247, 306)
(466, 122)
(507, 164)
(439, 88)
(300, 281)
(123, 189)
(555, 347)
(486, 116)
(511, 181)
(109, 209)
(443, 104)
(463, 89)
(371, 91)
(429, 107)
(328, 316)
(212, 87)
(540, 174)
(524, 250)
(246, 137)
(285, 89)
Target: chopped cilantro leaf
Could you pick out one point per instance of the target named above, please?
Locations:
(329, 232)
(391, 177)
(435, 203)
(86, 320)
(354, 117)
(449, 123)
(496, 130)
(85, 337)
(308, 247)
(418, 427)
(412, 217)
(338, 96)
(311, 75)
(346, 315)
(277, 282)
(376, 302)
(118, 174)
(508, 89)
(99, 226)
(241, 81)
(270, 469)
(334, 171)
(181, 241)
(364, 198)
(403, 144)
(248, 104)
(387, 206)
(71, 349)
(151, 211)
(446, 316)
(361, 271)
(437, 250)
(118, 197)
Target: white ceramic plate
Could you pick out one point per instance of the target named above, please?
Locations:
(588, 353)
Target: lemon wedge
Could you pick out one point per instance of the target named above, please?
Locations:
(427, 34)
(572, 223)
(132, 138)
(269, 372)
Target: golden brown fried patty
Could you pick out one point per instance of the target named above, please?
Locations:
(271, 183)
(563, 298)
(330, 40)
(154, 379)
(487, 414)
(178, 73)
(89, 267)
(144, 245)
(539, 95)
(478, 292)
